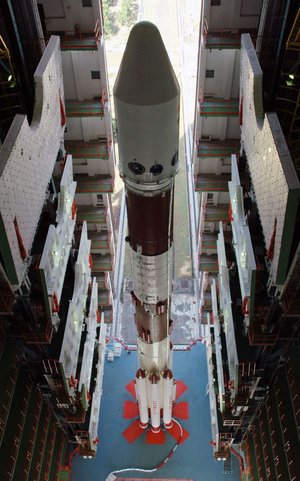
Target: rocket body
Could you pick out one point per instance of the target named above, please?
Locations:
(147, 97)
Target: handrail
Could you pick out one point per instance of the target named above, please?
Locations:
(216, 107)
(79, 149)
(210, 186)
(81, 108)
(293, 38)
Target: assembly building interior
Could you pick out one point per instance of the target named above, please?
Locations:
(62, 243)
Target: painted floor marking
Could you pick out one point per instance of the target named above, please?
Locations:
(156, 479)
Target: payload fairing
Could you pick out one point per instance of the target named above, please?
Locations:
(147, 101)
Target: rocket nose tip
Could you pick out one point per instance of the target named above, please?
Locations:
(143, 27)
(143, 38)
(145, 76)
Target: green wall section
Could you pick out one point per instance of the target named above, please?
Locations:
(7, 255)
(287, 235)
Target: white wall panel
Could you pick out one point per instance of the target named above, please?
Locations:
(91, 166)
(97, 394)
(235, 14)
(54, 9)
(216, 127)
(274, 178)
(28, 155)
(68, 75)
(233, 128)
(85, 128)
(235, 86)
(208, 165)
(225, 305)
(93, 128)
(98, 166)
(225, 64)
(78, 66)
(74, 129)
(89, 345)
(76, 312)
(62, 15)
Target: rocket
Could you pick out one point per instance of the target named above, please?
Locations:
(147, 102)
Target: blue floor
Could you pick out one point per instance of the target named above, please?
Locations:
(192, 460)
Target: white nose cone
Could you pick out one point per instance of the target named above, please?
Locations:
(146, 96)
(146, 76)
